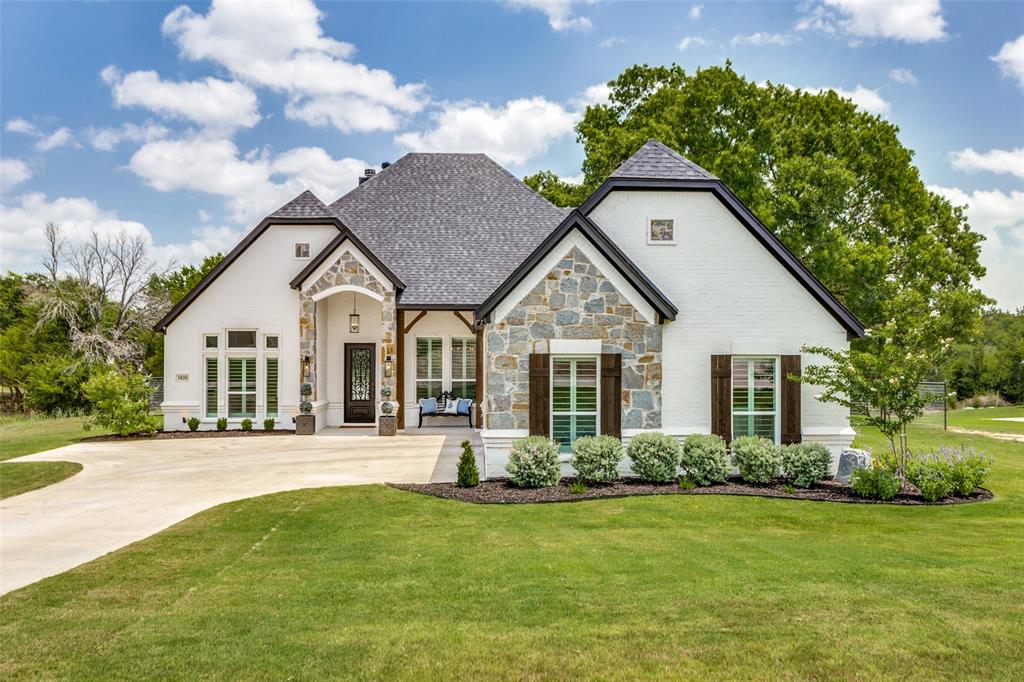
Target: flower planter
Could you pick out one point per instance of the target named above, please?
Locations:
(387, 425)
(305, 425)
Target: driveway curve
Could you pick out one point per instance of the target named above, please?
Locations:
(130, 490)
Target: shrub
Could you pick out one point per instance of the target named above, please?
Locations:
(120, 401)
(965, 470)
(305, 407)
(875, 483)
(705, 459)
(805, 463)
(467, 476)
(247, 424)
(757, 458)
(687, 483)
(596, 458)
(655, 456)
(577, 487)
(222, 424)
(931, 479)
(269, 424)
(533, 462)
(193, 423)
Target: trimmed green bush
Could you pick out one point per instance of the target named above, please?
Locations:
(533, 462)
(804, 464)
(931, 479)
(467, 475)
(120, 401)
(596, 458)
(964, 471)
(247, 424)
(654, 456)
(222, 424)
(875, 483)
(193, 423)
(268, 424)
(705, 459)
(757, 458)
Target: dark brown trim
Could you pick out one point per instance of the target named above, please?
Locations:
(849, 321)
(411, 324)
(325, 253)
(469, 325)
(789, 400)
(611, 394)
(576, 220)
(721, 396)
(480, 383)
(400, 366)
(540, 394)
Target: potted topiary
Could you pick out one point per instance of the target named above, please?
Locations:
(305, 422)
(387, 422)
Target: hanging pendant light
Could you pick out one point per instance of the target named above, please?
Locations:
(353, 319)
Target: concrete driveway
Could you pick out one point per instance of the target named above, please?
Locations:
(127, 491)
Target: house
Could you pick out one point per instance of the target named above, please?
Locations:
(661, 303)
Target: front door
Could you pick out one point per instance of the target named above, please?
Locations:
(359, 383)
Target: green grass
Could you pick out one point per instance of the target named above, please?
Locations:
(375, 583)
(982, 419)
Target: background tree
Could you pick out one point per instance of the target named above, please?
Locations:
(832, 182)
(994, 362)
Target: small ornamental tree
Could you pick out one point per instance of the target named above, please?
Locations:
(120, 401)
(467, 475)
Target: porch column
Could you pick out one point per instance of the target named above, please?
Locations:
(400, 366)
(480, 383)
(307, 342)
(388, 334)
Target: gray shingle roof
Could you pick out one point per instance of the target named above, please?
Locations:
(306, 205)
(453, 227)
(656, 161)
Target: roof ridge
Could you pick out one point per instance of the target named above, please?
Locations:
(656, 160)
(304, 205)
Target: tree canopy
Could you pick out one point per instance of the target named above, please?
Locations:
(832, 182)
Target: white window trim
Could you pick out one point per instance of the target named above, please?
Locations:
(204, 416)
(202, 342)
(257, 408)
(777, 413)
(268, 349)
(551, 392)
(470, 361)
(309, 251)
(266, 384)
(444, 371)
(660, 242)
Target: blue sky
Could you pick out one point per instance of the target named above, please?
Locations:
(189, 122)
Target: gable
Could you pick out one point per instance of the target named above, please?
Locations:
(345, 256)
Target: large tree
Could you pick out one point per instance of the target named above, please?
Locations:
(832, 182)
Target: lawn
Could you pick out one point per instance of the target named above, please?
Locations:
(982, 419)
(375, 583)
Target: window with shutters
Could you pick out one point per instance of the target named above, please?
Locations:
(242, 387)
(428, 367)
(574, 399)
(211, 387)
(271, 383)
(754, 397)
(464, 367)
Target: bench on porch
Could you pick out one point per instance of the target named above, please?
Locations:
(442, 400)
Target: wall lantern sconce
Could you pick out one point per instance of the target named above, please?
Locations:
(389, 366)
(353, 319)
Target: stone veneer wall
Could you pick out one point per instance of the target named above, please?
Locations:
(574, 301)
(346, 270)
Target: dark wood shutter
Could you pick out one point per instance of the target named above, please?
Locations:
(540, 394)
(611, 394)
(789, 400)
(721, 396)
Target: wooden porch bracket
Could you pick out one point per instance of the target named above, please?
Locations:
(464, 321)
(411, 324)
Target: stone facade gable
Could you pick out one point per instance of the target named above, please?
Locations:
(574, 301)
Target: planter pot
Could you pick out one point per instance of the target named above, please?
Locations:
(387, 425)
(305, 425)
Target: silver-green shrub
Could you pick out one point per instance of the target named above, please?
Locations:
(654, 456)
(805, 463)
(705, 459)
(533, 462)
(757, 458)
(596, 458)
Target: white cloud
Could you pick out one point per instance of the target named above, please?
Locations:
(520, 130)
(573, 179)
(106, 139)
(20, 125)
(760, 39)
(206, 240)
(867, 99)
(903, 76)
(560, 14)
(611, 42)
(253, 183)
(691, 41)
(1009, 161)
(1010, 59)
(212, 103)
(58, 138)
(1000, 218)
(204, 215)
(695, 12)
(13, 172)
(281, 46)
(912, 21)
(598, 93)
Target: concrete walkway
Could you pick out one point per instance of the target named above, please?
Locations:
(127, 491)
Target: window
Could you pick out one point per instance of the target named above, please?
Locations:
(661, 231)
(242, 387)
(272, 387)
(211, 387)
(573, 399)
(753, 397)
(242, 339)
(428, 368)
(302, 250)
(210, 341)
(464, 368)
(270, 342)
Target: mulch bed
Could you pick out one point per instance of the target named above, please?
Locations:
(175, 435)
(501, 491)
